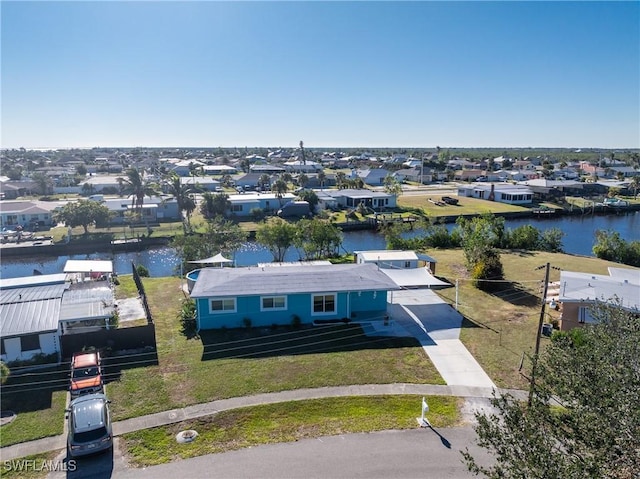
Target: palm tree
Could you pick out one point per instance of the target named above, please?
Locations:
(340, 179)
(137, 187)
(303, 180)
(635, 184)
(279, 187)
(182, 194)
(322, 177)
(264, 181)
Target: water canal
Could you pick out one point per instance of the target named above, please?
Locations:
(579, 237)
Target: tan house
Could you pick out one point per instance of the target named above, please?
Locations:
(577, 293)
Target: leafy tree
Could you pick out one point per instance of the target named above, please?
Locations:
(264, 181)
(392, 186)
(635, 185)
(83, 213)
(277, 236)
(610, 246)
(594, 374)
(318, 239)
(551, 240)
(525, 237)
(44, 184)
(81, 169)
(479, 237)
(214, 205)
(221, 236)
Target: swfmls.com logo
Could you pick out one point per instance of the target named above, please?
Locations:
(24, 465)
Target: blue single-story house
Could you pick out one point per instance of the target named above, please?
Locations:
(274, 294)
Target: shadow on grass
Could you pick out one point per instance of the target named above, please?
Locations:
(286, 341)
(515, 293)
(474, 323)
(114, 365)
(32, 390)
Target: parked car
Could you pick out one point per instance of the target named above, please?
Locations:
(89, 425)
(295, 209)
(86, 374)
(449, 200)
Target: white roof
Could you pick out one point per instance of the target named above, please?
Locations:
(259, 196)
(36, 280)
(587, 287)
(88, 266)
(387, 255)
(414, 277)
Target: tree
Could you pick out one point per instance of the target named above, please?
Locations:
(44, 184)
(279, 187)
(479, 238)
(137, 187)
(81, 169)
(594, 374)
(310, 197)
(184, 198)
(277, 236)
(392, 186)
(264, 181)
(214, 205)
(303, 180)
(221, 236)
(322, 177)
(83, 213)
(318, 239)
(635, 185)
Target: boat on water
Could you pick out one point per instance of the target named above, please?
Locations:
(615, 203)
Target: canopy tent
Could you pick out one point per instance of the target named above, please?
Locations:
(217, 259)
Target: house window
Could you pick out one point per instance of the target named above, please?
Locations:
(273, 303)
(407, 264)
(236, 208)
(30, 342)
(584, 315)
(222, 305)
(324, 303)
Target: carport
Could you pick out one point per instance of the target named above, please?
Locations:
(414, 278)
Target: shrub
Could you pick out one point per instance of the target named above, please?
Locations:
(258, 214)
(246, 323)
(296, 322)
(187, 317)
(4, 372)
(143, 272)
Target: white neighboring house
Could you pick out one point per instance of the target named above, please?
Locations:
(241, 205)
(500, 192)
(351, 198)
(201, 183)
(27, 213)
(219, 170)
(154, 208)
(184, 167)
(298, 166)
(578, 292)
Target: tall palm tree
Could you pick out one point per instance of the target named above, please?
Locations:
(279, 187)
(322, 177)
(635, 184)
(184, 198)
(137, 187)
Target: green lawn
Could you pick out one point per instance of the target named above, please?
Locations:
(186, 375)
(29, 467)
(286, 422)
(499, 327)
(38, 398)
(465, 206)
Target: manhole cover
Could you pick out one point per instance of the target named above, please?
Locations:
(186, 436)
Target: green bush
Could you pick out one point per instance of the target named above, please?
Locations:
(143, 272)
(4, 372)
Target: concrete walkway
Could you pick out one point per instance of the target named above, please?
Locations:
(199, 410)
(433, 322)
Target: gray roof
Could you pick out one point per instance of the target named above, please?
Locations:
(36, 280)
(83, 302)
(29, 317)
(32, 293)
(302, 279)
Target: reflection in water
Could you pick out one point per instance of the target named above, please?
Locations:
(579, 236)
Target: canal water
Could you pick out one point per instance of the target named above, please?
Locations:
(579, 238)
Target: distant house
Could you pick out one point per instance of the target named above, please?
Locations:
(416, 175)
(200, 183)
(154, 208)
(249, 181)
(242, 204)
(543, 188)
(352, 198)
(268, 295)
(27, 213)
(468, 175)
(185, 167)
(500, 192)
(578, 292)
(299, 166)
(219, 170)
(262, 169)
(373, 177)
(10, 190)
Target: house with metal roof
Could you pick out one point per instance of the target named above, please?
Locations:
(36, 310)
(265, 295)
(351, 198)
(577, 293)
(407, 269)
(243, 204)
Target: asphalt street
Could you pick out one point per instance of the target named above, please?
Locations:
(417, 453)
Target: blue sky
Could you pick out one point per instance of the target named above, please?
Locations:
(350, 74)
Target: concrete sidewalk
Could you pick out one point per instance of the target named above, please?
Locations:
(206, 409)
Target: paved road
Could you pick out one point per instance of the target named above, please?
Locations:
(416, 453)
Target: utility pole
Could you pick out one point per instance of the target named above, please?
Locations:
(539, 332)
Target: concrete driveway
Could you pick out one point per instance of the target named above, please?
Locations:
(433, 322)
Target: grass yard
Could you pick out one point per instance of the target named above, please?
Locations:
(29, 467)
(38, 398)
(286, 422)
(187, 374)
(465, 206)
(501, 326)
